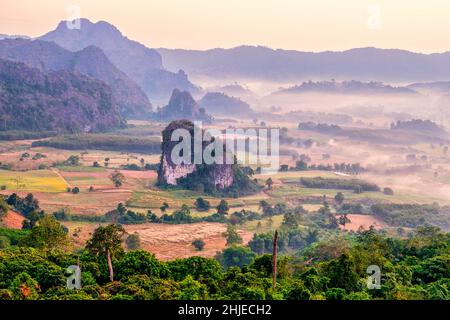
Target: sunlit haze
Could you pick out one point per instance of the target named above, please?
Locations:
(417, 25)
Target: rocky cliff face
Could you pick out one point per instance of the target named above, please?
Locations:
(220, 176)
(170, 173)
(91, 61)
(58, 101)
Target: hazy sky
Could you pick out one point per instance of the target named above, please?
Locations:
(314, 25)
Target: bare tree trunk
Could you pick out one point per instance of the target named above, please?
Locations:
(274, 260)
(111, 271)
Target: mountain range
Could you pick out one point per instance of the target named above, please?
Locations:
(91, 61)
(262, 63)
(346, 87)
(142, 64)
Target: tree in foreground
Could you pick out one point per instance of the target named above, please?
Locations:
(47, 234)
(107, 241)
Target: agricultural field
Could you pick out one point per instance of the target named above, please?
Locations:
(33, 181)
(97, 195)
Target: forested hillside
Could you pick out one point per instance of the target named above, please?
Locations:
(60, 101)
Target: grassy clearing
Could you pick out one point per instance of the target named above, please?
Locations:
(33, 181)
(154, 198)
(266, 225)
(296, 175)
(285, 190)
(312, 207)
(80, 169)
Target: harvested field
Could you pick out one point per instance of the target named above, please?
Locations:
(12, 220)
(168, 241)
(363, 221)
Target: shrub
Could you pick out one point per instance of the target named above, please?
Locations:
(199, 244)
(76, 190)
(202, 204)
(133, 241)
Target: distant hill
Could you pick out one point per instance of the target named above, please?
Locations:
(289, 65)
(59, 101)
(221, 104)
(346, 87)
(6, 36)
(233, 90)
(48, 56)
(439, 87)
(140, 63)
(418, 125)
(182, 107)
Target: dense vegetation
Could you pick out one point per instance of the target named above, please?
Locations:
(109, 142)
(302, 165)
(413, 215)
(340, 184)
(418, 125)
(12, 135)
(413, 268)
(315, 260)
(320, 127)
(200, 180)
(58, 101)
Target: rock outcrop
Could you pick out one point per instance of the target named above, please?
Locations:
(216, 179)
(183, 106)
(219, 175)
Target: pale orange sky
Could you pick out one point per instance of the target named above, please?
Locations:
(314, 25)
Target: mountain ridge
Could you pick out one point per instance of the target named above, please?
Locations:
(59, 101)
(263, 63)
(91, 61)
(140, 63)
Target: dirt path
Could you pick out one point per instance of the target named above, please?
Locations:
(60, 175)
